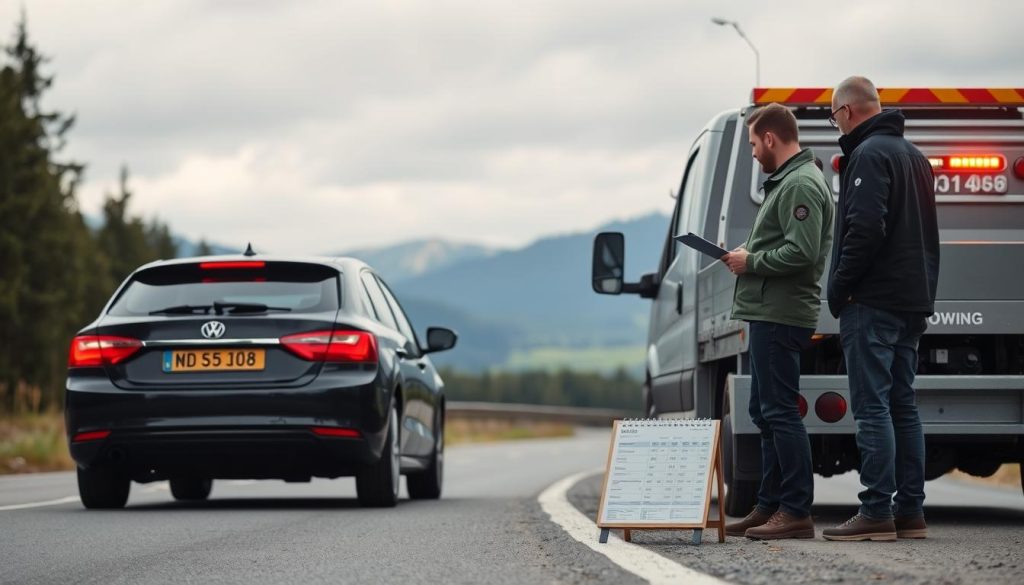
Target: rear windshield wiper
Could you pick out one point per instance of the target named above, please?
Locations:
(218, 308)
(246, 308)
(182, 310)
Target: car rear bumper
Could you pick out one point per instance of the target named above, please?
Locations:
(947, 405)
(255, 453)
(228, 433)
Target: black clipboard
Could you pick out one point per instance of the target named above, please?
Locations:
(701, 245)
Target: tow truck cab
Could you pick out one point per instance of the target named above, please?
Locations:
(970, 383)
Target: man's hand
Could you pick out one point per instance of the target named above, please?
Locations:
(736, 260)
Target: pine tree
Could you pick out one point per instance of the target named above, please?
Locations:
(48, 265)
(125, 239)
(203, 248)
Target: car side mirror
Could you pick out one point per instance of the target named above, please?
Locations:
(607, 268)
(440, 339)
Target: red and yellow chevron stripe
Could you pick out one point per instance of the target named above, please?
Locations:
(897, 96)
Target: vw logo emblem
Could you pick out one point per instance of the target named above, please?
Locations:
(212, 330)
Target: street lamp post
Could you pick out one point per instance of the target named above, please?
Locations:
(757, 55)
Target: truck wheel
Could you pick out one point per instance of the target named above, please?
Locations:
(103, 488)
(377, 485)
(740, 494)
(426, 485)
(190, 489)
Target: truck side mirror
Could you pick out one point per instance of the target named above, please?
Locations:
(608, 263)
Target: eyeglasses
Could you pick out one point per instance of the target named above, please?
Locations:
(832, 115)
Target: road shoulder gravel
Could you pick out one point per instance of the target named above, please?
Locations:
(966, 545)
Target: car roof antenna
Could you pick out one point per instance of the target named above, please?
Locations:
(249, 251)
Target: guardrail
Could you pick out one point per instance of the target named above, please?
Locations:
(584, 416)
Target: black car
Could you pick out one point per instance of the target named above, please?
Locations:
(244, 367)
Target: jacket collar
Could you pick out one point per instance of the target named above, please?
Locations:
(794, 162)
(889, 122)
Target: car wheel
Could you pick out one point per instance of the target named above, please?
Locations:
(426, 485)
(103, 488)
(190, 489)
(377, 485)
(740, 494)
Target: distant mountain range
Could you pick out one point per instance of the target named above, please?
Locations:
(535, 297)
(418, 257)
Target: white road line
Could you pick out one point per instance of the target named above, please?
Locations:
(57, 502)
(647, 565)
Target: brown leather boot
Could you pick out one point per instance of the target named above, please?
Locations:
(755, 518)
(862, 528)
(911, 527)
(782, 525)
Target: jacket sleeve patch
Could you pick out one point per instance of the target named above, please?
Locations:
(801, 212)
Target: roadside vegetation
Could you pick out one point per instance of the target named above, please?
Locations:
(56, 268)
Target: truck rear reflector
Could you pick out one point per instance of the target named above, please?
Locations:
(896, 96)
(830, 407)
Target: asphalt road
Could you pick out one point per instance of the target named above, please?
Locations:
(488, 528)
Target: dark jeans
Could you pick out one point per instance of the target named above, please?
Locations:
(787, 482)
(881, 359)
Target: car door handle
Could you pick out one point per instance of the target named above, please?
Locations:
(679, 298)
(422, 366)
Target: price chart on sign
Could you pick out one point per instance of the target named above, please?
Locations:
(659, 473)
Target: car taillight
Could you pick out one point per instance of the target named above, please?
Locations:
(830, 407)
(1018, 168)
(333, 346)
(90, 436)
(802, 405)
(99, 350)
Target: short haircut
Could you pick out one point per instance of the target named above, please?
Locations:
(778, 120)
(856, 91)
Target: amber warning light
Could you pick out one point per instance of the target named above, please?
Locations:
(975, 163)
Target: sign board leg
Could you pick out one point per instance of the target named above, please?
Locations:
(603, 539)
(627, 535)
(721, 491)
(698, 533)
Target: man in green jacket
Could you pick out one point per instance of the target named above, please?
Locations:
(778, 293)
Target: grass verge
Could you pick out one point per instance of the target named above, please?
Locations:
(33, 442)
(460, 431)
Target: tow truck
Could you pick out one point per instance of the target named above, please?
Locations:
(970, 383)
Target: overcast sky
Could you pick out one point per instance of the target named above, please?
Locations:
(314, 126)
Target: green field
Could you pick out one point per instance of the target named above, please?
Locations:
(587, 359)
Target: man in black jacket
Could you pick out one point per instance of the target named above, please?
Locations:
(881, 286)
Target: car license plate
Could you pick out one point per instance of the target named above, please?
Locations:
(214, 360)
(960, 184)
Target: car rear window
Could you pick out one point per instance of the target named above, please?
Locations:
(297, 287)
